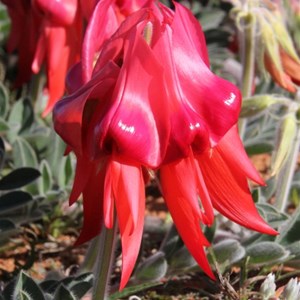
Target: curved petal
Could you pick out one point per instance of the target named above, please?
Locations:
(74, 78)
(192, 31)
(68, 112)
(180, 193)
(233, 152)
(102, 24)
(187, 127)
(229, 191)
(216, 100)
(137, 121)
(92, 206)
(83, 172)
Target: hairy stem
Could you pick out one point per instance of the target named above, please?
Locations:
(247, 38)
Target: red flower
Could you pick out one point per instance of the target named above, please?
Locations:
(58, 45)
(151, 102)
(45, 32)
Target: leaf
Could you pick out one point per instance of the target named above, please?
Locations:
(229, 251)
(49, 286)
(266, 253)
(18, 178)
(133, 290)
(86, 277)
(3, 101)
(211, 19)
(273, 217)
(45, 182)
(258, 148)
(26, 288)
(289, 232)
(63, 293)
(65, 171)
(80, 289)
(181, 260)
(269, 190)
(153, 268)
(14, 200)
(3, 125)
(20, 118)
(7, 228)
(55, 153)
(23, 154)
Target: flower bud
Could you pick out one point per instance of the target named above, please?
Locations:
(287, 133)
(292, 290)
(268, 287)
(256, 104)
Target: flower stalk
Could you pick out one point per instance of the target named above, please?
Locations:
(248, 61)
(104, 252)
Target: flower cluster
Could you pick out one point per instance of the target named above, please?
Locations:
(143, 97)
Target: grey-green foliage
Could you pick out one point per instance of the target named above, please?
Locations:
(33, 170)
(70, 288)
(232, 249)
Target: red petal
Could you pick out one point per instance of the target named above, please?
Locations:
(102, 24)
(128, 187)
(216, 100)
(92, 207)
(39, 54)
(74, 78)
(59, 12)
(180, 193)
(68, 113)
(82, 175)
(232, 150)
(229, 191)
(187, 127)
(192, 31)
(137, 121)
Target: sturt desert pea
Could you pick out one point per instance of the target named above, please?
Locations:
(151, 102)
(45, 33)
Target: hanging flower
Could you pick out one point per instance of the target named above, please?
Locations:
(59, 44)
(45, 33)
(151, 102)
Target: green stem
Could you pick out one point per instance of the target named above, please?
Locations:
(91, 256)
(106, 249)
(286, 174)
(248, 63)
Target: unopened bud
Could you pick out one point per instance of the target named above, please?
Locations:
(253, 105)
(287, 133)
(268, 287)
(292, 290)
(283, 37)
